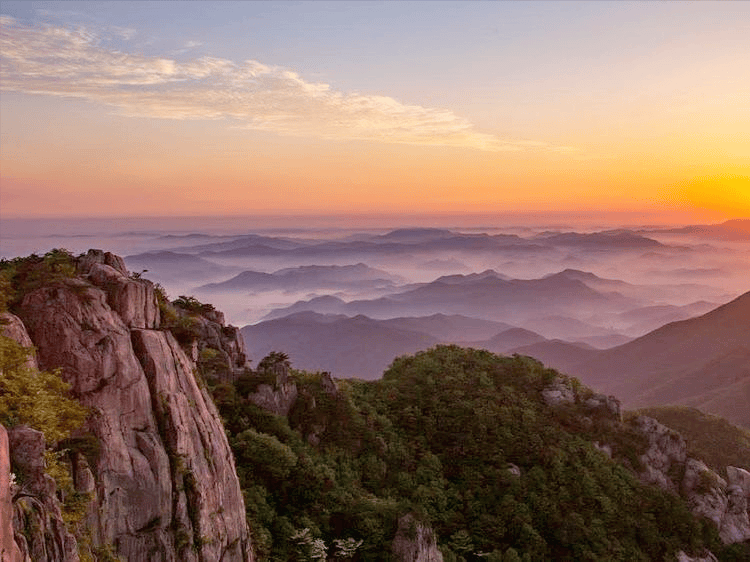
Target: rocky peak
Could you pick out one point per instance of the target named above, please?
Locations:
(277, 399)
(133, 299)
(164, 485)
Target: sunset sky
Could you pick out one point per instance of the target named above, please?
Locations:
(241, 108)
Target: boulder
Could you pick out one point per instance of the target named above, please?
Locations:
(607, 406)
(735, 525)
(704, 491)
(739, 477)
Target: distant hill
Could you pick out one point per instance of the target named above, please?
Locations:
(508, 340)
(363, 347)
(415, 235)
(448, 327)
(308, 277)
(176, 265)
(702, 362)
(645, 319)
(347, 347)
(736, 229)
(486, 295)
(558, 354)
(606, 241)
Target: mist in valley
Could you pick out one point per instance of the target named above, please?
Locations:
(591, 287)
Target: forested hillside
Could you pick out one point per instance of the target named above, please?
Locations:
(472, 444)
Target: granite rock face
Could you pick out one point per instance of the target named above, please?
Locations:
(210, 333)
(667, 465)
(667, 449)
(415, 542)
(164, 485)
(36, 509)
(277, 399)
(9, 551)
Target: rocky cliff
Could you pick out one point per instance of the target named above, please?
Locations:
(163, 485)
(415, 542)
(665, 463)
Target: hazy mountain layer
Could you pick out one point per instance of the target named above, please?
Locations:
(703, 362)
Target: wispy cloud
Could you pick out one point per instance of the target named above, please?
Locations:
(62, 61)
(188, 46)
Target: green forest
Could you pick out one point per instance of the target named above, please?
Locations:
(462, 439)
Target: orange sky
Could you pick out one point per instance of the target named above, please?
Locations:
(116, 128)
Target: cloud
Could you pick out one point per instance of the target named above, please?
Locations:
(189, 45)
(62, 61)
(126, 33)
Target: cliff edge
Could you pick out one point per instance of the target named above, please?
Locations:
(163, 484)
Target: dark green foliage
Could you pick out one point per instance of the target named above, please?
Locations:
(167, 311)
(273, 362)
(192, 305)
(39, 399)
(186, 330)
(436, 437)
(20, 276)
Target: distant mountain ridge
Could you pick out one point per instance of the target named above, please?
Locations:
(735, 229)
(307, 277)
(702, 362)
(487, 295)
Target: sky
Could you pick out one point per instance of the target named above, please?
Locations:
(628, 109)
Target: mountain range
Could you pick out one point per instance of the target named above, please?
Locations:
(702, 362)
(308, 277)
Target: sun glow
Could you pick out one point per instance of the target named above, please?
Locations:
(726, 193)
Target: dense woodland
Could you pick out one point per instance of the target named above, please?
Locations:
(441, 436)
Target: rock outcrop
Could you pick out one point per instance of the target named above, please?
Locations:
(209, 334)
(277, 399)
(705, 557)
(667, 465)
(164, 485)
(666, 451)
(415, 542)
(558, 392)
(36, 508)
(9, 551)
(665, 462)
